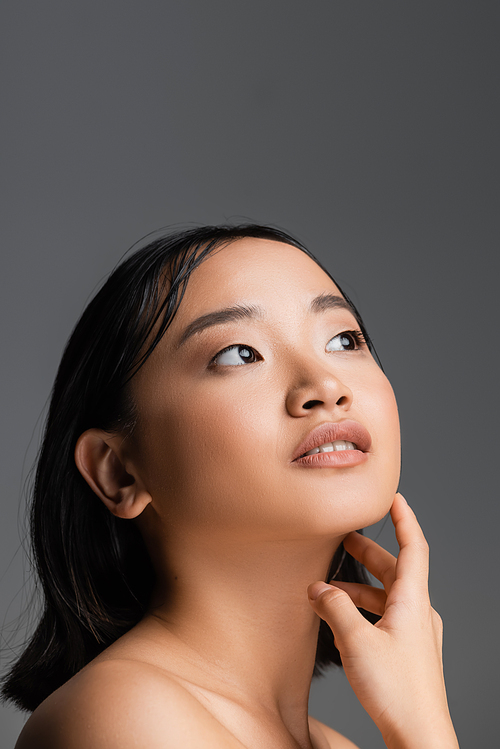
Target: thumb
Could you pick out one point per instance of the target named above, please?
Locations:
(338, 610)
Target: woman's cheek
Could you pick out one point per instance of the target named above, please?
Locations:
(390, 447)
(376, 406)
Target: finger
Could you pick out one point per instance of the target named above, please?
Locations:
(413, 559)
(365, 596)
(378, 561)
(338, 610)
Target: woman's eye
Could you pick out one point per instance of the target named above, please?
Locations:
(234, 356)
(350, 340)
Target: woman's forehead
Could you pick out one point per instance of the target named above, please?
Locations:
(259, 268)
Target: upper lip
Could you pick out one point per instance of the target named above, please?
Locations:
(349, 430)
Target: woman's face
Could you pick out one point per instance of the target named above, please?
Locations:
(254, 362)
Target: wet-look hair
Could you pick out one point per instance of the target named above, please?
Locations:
(93, 568)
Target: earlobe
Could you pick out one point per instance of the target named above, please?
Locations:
(98, 460)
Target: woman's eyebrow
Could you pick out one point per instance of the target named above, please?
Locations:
(321, 303)
(219, 317)
(327, 301)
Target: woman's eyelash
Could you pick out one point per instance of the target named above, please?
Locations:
(247, 352)
(358, 336)
(250, 355)
(348, 340)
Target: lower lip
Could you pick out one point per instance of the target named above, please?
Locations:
(334, 459)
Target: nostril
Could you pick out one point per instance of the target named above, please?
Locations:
(311, 404)
(342, 401)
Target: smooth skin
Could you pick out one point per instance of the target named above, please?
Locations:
(238, 532)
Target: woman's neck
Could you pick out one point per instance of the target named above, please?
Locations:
(238, 619)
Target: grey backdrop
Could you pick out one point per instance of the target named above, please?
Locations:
(370, 130)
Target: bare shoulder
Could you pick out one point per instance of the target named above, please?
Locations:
(334, 739)
(123, 704)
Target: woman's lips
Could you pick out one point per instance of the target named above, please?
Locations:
(348, 430)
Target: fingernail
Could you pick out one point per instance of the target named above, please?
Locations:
(317, 589)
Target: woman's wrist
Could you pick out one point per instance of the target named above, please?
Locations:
(422, 733)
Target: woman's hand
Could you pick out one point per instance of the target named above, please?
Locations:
(395, 666)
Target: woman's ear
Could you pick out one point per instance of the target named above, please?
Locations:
(98, 459)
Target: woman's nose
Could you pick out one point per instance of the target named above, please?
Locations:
(324, 391)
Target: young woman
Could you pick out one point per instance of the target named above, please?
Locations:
(218, 431)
